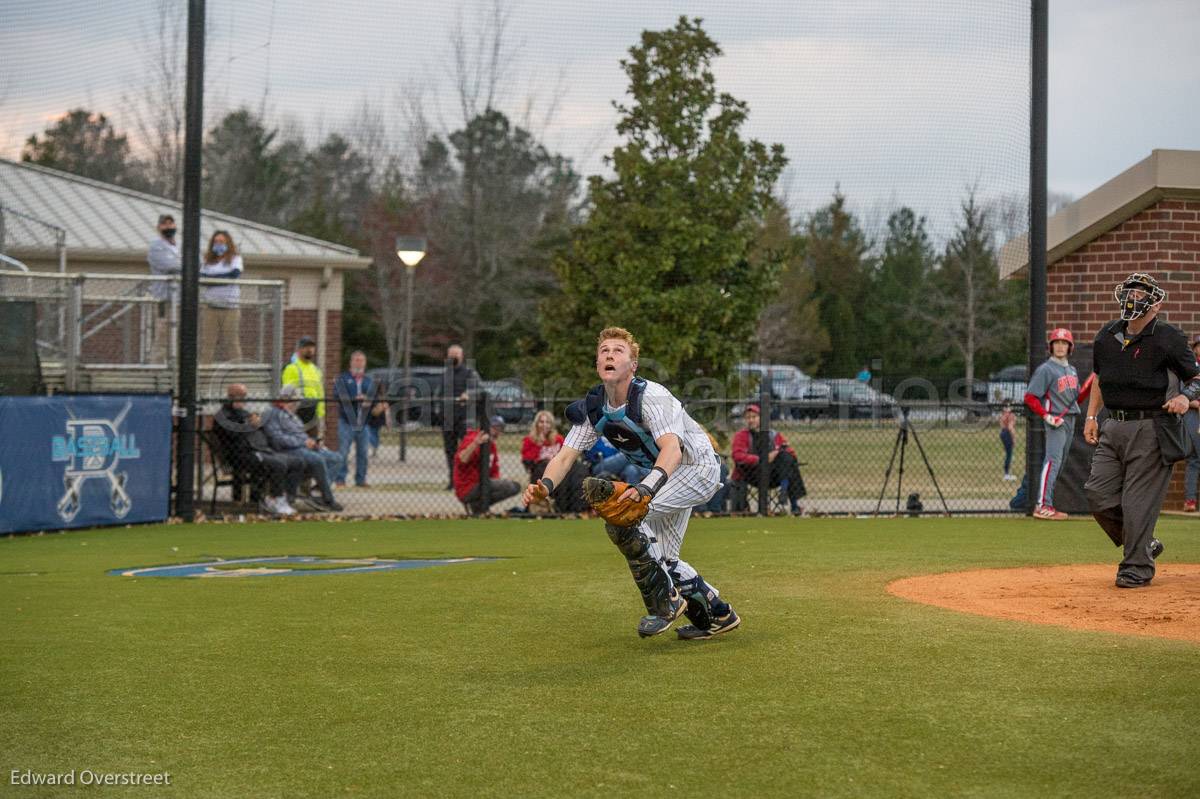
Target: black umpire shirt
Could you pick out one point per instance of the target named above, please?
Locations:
(1133, 369)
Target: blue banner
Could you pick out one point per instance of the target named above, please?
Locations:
(79, 461)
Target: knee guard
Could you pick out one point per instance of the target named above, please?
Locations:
(649, 575)
(703, 603)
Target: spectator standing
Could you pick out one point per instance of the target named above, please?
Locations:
(467, 460)
(303, 373)
(164, 259)
(458, 381)
(781, 459)
(1191, 421)
(286, 434)
(248, 449)
(864, 376)
(1008, 429)
(356, 396)
(221, 319)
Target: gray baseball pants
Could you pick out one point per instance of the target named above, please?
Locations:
(1058, 444)
(1126, 489)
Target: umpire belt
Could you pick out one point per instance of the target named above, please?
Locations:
(1132, 416)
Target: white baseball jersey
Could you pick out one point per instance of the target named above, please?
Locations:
(661, 413)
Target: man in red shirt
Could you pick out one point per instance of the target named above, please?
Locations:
(785, 469)
(467, 486)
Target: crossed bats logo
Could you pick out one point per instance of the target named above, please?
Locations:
(93, 449)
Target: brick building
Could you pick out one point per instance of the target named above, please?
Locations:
(1147, 219)
(55, 222)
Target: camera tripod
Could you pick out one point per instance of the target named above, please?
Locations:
(900, 446)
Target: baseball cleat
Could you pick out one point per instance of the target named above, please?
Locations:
(1156, 548)
(723, 624)
(653, 625)
(1047, 513)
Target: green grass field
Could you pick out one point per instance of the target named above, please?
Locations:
(524, 676)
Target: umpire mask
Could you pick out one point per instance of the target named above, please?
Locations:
(1137, 307)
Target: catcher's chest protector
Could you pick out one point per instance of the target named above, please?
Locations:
(622, 427)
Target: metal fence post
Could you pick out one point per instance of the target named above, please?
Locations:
(764, 446)
(485, 456)
(74, 341)
(277, 353)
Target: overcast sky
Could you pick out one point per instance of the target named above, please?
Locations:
(897, 102)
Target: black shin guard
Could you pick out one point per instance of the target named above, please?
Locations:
(1112, 522)
(651, 578)
(703, 604)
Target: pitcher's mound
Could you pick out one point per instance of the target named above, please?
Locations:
(1078, 596)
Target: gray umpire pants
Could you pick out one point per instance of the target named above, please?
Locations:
(1127, 487)
(1058, 444)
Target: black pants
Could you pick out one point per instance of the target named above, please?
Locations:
(498, 490)
(283, 472)
(568, 495)
(784, 467)
(451, 437)
(1126, 489)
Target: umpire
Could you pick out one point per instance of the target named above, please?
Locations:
(1143, 436)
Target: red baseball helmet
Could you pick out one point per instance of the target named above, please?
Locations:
(1061, 334)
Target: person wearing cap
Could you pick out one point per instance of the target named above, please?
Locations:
(1054, 394)
(286, 433)
(303, 372)
(467, 485)
(1133, 358)
(1191, 423)
(164, 259)
(784, 466)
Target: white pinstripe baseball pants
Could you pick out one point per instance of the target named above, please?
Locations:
(667, 518)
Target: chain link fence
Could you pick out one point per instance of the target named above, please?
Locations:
(924, 457)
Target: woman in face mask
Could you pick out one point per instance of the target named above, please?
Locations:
(220, 319)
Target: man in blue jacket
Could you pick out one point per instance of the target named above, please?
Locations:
(357, 403)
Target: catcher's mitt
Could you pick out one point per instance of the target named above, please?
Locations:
(603, 495)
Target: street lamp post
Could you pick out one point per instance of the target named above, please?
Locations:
(410, 249)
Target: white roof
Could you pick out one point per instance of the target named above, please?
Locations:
(103, 218)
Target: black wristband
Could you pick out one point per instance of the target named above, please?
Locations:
(548, 483)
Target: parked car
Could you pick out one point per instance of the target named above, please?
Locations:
(424, 391)
(860, 400)
(1006, 385)
(793, 393)
(511, 400)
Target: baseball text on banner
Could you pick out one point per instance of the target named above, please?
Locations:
(77, 461)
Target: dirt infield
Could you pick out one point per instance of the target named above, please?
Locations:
(1080, 596)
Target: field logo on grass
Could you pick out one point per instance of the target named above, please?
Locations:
(92, 450)
(287, 565)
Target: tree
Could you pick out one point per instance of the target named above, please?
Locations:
(157, 105)
(789, 328)
(666, 250)
(85, 144)
(970, 312)
(837, 254)
(494, 204)
(248, 174)
(900, 285)
(331, 191)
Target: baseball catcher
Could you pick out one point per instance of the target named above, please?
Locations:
(646, 521)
